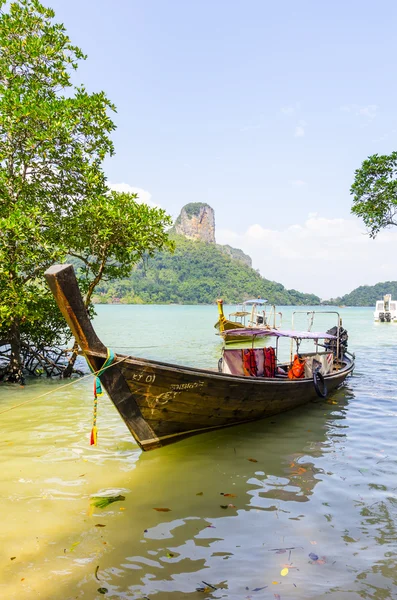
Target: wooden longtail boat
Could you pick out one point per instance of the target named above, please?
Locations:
(162, 403)
(257, 318)
(224, 324)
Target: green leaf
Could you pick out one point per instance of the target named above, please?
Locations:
(104, 501)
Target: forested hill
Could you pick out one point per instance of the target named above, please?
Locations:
(367, 295)
(197, 273)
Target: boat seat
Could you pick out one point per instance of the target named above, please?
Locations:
(233, 362)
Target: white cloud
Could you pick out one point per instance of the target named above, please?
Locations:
(288, 110)
(291, 109)
(300, 129)
(298, 182)
(368, 112)
(328, 257)
(144, 197)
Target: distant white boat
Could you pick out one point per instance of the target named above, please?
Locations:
(386, 310)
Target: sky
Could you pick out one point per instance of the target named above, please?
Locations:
(263, 110)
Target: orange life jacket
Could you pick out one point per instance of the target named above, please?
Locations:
(249, 362)
(297, 370)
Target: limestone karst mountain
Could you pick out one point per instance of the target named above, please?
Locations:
(199, 271)
(196, 221)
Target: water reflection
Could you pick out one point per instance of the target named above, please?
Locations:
(379, 579)
(312, 491)
(230, 497)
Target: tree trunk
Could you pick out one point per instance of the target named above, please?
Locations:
(15, 374)
(69, 369)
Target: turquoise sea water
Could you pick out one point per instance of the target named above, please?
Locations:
(312, 491)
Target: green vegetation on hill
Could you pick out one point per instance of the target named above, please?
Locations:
(193, 208)
(197, 273)
(367, 295)
(236, 253)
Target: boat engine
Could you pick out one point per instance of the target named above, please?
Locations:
(381, 317)
(387, 317)
(332, 345)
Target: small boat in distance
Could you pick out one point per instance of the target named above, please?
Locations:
(386, 310)
(162, 403)
(245, 319)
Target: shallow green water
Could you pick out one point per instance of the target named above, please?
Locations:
(323, 483)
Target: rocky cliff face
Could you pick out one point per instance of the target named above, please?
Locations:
(197, 222)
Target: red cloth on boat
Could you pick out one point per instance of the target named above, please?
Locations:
(269, 367)
(249, 362)
(258, 363)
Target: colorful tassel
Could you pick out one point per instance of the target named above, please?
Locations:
(94, 436)
(98, 392)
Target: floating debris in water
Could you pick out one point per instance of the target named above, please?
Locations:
(73, 546)
(208, 587)
(104, 501)
(281, 550)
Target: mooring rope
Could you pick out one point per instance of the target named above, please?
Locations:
(62, 387)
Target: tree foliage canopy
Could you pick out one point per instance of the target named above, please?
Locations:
(54, 199)
(375, 192)
(118, 232)
(53, 138)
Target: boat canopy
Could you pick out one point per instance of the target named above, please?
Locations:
(255, 301)
(288, 333)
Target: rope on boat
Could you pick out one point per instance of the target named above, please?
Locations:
(98, 392)
(62, 387)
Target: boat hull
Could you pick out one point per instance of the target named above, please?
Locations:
(229, 337)
(175, 402)
(161, 403)
(226, 325)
